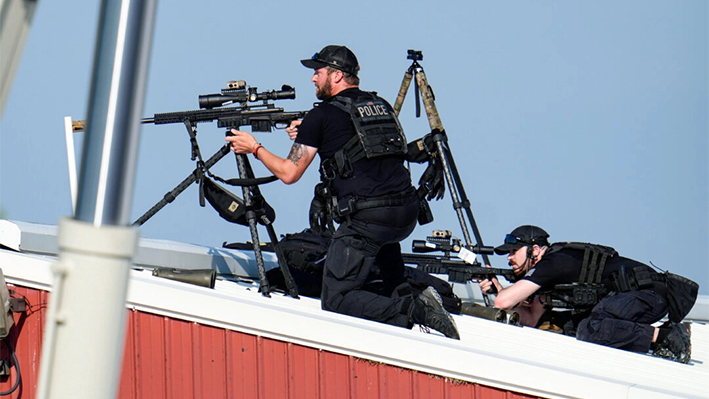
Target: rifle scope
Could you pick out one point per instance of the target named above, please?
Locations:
(243, 95)
(420, 246)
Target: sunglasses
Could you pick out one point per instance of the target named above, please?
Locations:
(316, 57)
(510, 239)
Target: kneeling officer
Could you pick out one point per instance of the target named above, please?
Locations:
(362, 148)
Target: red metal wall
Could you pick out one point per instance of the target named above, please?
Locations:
(173, 359)
(26, 339)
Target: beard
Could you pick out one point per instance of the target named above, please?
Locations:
(521, 270)
(518, 270)
(325, 91)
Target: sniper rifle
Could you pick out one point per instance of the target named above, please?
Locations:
(461, 270)
(261, 117)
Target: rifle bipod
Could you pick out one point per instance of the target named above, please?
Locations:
(252, 198)
(441, 150)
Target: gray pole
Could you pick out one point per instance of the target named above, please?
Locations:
(82, 351)
(115, 110)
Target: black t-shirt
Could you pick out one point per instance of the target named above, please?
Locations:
(564, 267)
(328, 129)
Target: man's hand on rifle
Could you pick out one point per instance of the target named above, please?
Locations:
(242, 142)
(289, 169)
(487, 283)
(292, 129)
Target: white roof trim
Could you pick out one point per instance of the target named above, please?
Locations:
(519, 359)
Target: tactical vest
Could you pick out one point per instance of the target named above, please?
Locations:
(379, 134)
(589, 290)
(581, 297)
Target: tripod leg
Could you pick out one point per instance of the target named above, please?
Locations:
(244, 173)
(455, 186)
(457, 205)
(434, 120)
(402, 92)
(466, 205)
(256, 198)
(169, 197)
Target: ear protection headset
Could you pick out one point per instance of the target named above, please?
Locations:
(530, 252)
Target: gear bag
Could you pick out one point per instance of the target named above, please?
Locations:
(305, 250)
(681, 295)
(232, 208)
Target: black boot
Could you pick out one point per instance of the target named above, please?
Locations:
(676, 345)
(427, 309)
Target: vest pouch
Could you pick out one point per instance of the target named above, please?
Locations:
(344, 167)
(643, 279)
(586, 295)
(418, 151)
(621, 280)
(425, 215)
(681, 295)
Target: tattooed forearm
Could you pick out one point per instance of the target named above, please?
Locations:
(296, 152)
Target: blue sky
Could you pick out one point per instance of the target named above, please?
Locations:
(587, 119)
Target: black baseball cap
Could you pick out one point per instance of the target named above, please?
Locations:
(522, 236)
(338, 57)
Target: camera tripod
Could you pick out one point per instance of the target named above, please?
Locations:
(441, 150)
(252, 199)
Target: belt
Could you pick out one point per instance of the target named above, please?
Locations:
(350, 205)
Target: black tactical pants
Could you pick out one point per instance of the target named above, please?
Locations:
(624, 320)
(371, 235)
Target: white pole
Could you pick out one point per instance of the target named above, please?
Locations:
(82, 351)
(71, 156)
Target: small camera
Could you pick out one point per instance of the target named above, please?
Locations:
(415, 55)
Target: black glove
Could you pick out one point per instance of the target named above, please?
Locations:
(319, 215)
(432, 181)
